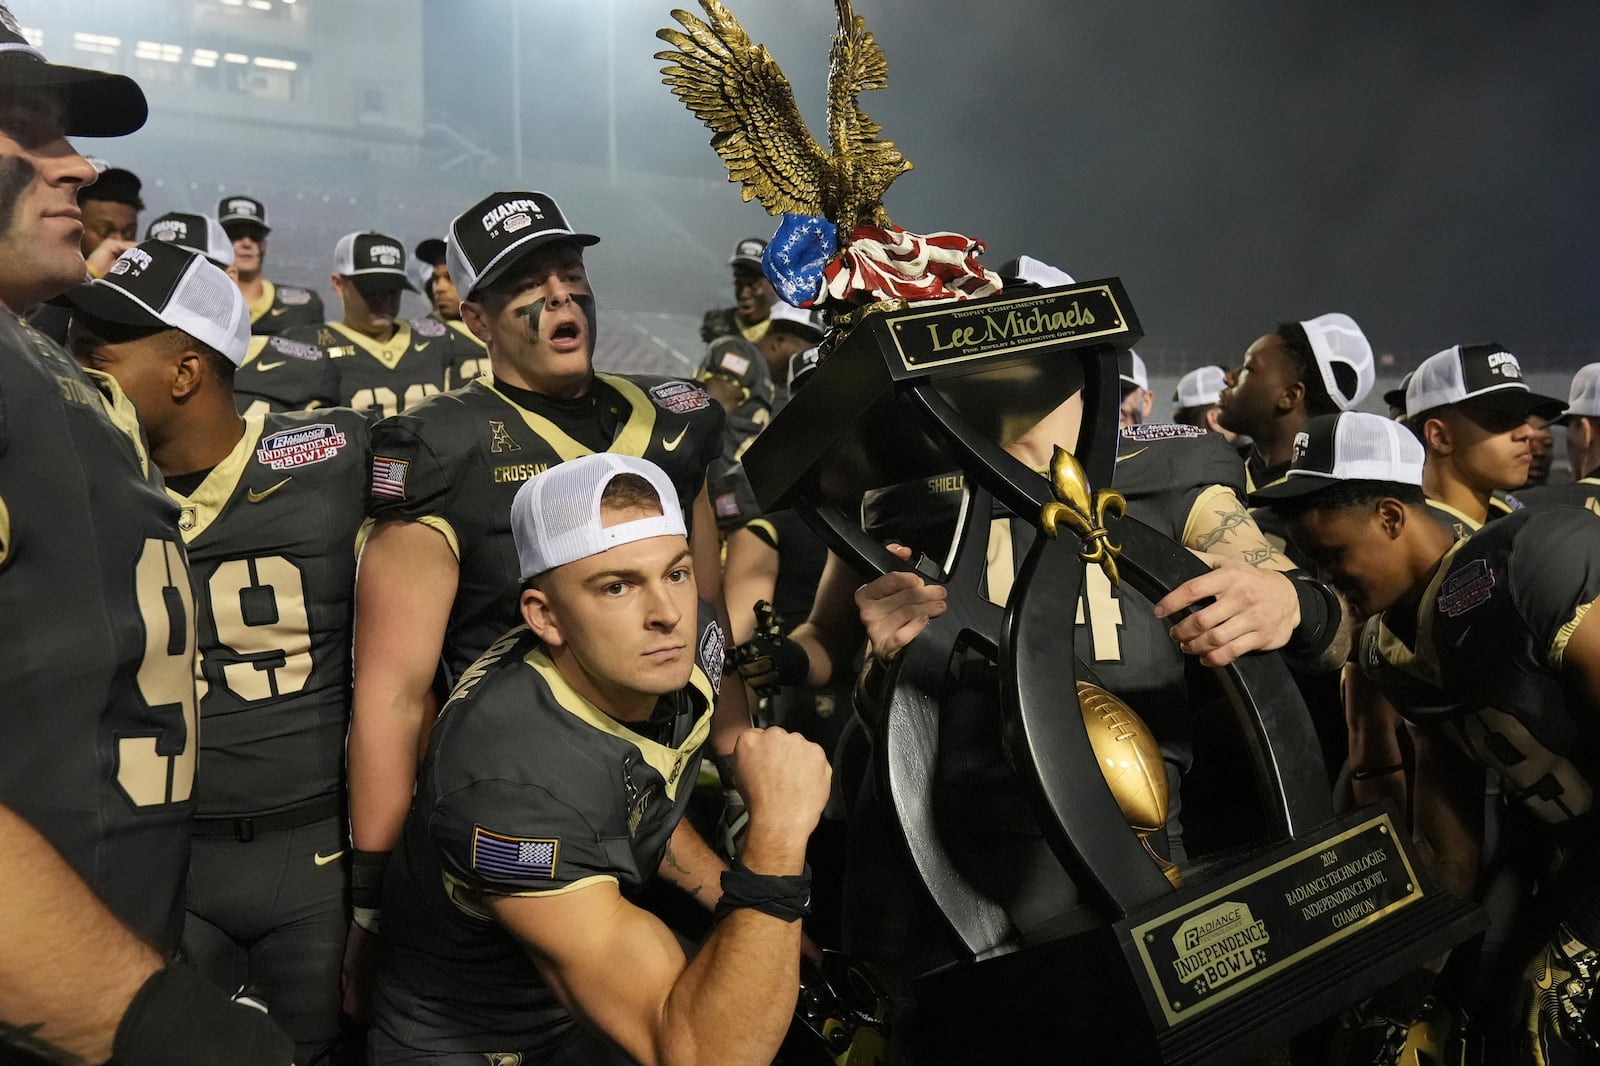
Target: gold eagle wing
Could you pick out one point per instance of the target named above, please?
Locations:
(737, 90)
(857, 64)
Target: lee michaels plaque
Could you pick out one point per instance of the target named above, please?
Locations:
(1244, 933)
(947, 336)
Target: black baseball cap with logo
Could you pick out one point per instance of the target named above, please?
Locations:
(375, 260)
(197, 233)
(747, 254)
(1348, 446)
(487, 238)
(94, 103)
(242, 210)
(1479, 375)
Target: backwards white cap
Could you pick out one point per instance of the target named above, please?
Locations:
(555, 517)
(1336, 341)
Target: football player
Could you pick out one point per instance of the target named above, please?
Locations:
(1492, 654)
(98, 759)
(1582, 421)
(753, 297)
(555, 787)
(434, 273)
(382, 364)
(269, 508)
(1469, 407)
(1137, 401)
(430, 588)
(273, 307)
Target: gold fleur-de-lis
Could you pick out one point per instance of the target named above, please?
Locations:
(1083, 511)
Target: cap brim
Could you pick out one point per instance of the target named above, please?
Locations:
(518, 252)
(242, 220)
(1517, 402)
(746, 261)
(96, 103)
(1395, 398)
(430, 251)
(1290, 487)
(382, 280)
(110, 304)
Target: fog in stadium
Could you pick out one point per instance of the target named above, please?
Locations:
(1431, 169)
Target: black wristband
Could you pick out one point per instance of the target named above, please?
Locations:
(366, 878)
(786, 898)
(1320, 615)
(178, 1018)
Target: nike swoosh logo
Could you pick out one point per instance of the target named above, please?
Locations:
(276, 311)
(256, 497)
(323, 860)
(672, 445)
(264, 367)
(421, 345)
(1130, 455)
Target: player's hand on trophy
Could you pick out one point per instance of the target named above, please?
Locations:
(1251, 610)
(769, 660)
(898, 606)
(784, 779)
(1558, 998)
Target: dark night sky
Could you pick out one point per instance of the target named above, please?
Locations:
(1430, 168)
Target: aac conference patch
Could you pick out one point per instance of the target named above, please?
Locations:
(507, 856)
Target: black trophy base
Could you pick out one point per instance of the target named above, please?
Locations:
(1237, 962)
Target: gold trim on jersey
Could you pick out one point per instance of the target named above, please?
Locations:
(5, 530)
(633, 440)
(121, 411)
(668, 762)
(213, 494)
(1420, 662)
(470, 901)
(263, 303)
(386, 352)
(766, 524)
(461, 328)
(1558, 647)
(257, 344)
(1196, 516)
(1472, 524)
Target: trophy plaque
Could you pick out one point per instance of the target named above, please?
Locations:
(1260, 941)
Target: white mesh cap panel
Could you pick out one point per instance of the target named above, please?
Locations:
(1337, 341)
(209, 307)
(1585, 397)
(1368, 447)
(1436, 382)
(555, 517)
(1041, 273)
(1201, 387)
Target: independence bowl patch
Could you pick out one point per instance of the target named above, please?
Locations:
(713, 654)
(290, 449)
(293, 297)
(508, 856)
(427, 327)
(1160, 431)
(680, 397)
(1469, 587)
(295, 349)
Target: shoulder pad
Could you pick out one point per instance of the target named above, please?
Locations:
(1156, 462)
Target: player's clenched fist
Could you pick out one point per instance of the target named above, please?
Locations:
(784, 779)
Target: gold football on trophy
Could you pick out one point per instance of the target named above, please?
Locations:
(1130, 760)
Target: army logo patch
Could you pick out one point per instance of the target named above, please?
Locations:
(713, 653)
(680, 397)
(1469, 587)
(290, 449)
(508, 856)
(500, 439)
(1160, 431)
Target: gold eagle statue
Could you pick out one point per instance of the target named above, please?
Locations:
(737, 90)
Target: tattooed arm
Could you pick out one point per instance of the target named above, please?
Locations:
(1255, 606)
(691, 865)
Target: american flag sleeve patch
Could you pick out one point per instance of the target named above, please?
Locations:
(389, 477)
(505, 856)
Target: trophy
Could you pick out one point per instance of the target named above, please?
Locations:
(1230, 955)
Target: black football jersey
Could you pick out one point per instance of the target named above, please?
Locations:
(1483, 654)
(1459, 525)
(282, 374)
(801, 558)
(97, 664)
(382, 379)
(1585, 492)
(527, 789)
(456, 460)
(467, 366)
(284, 307)
(271, 534)
(1169, 474)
